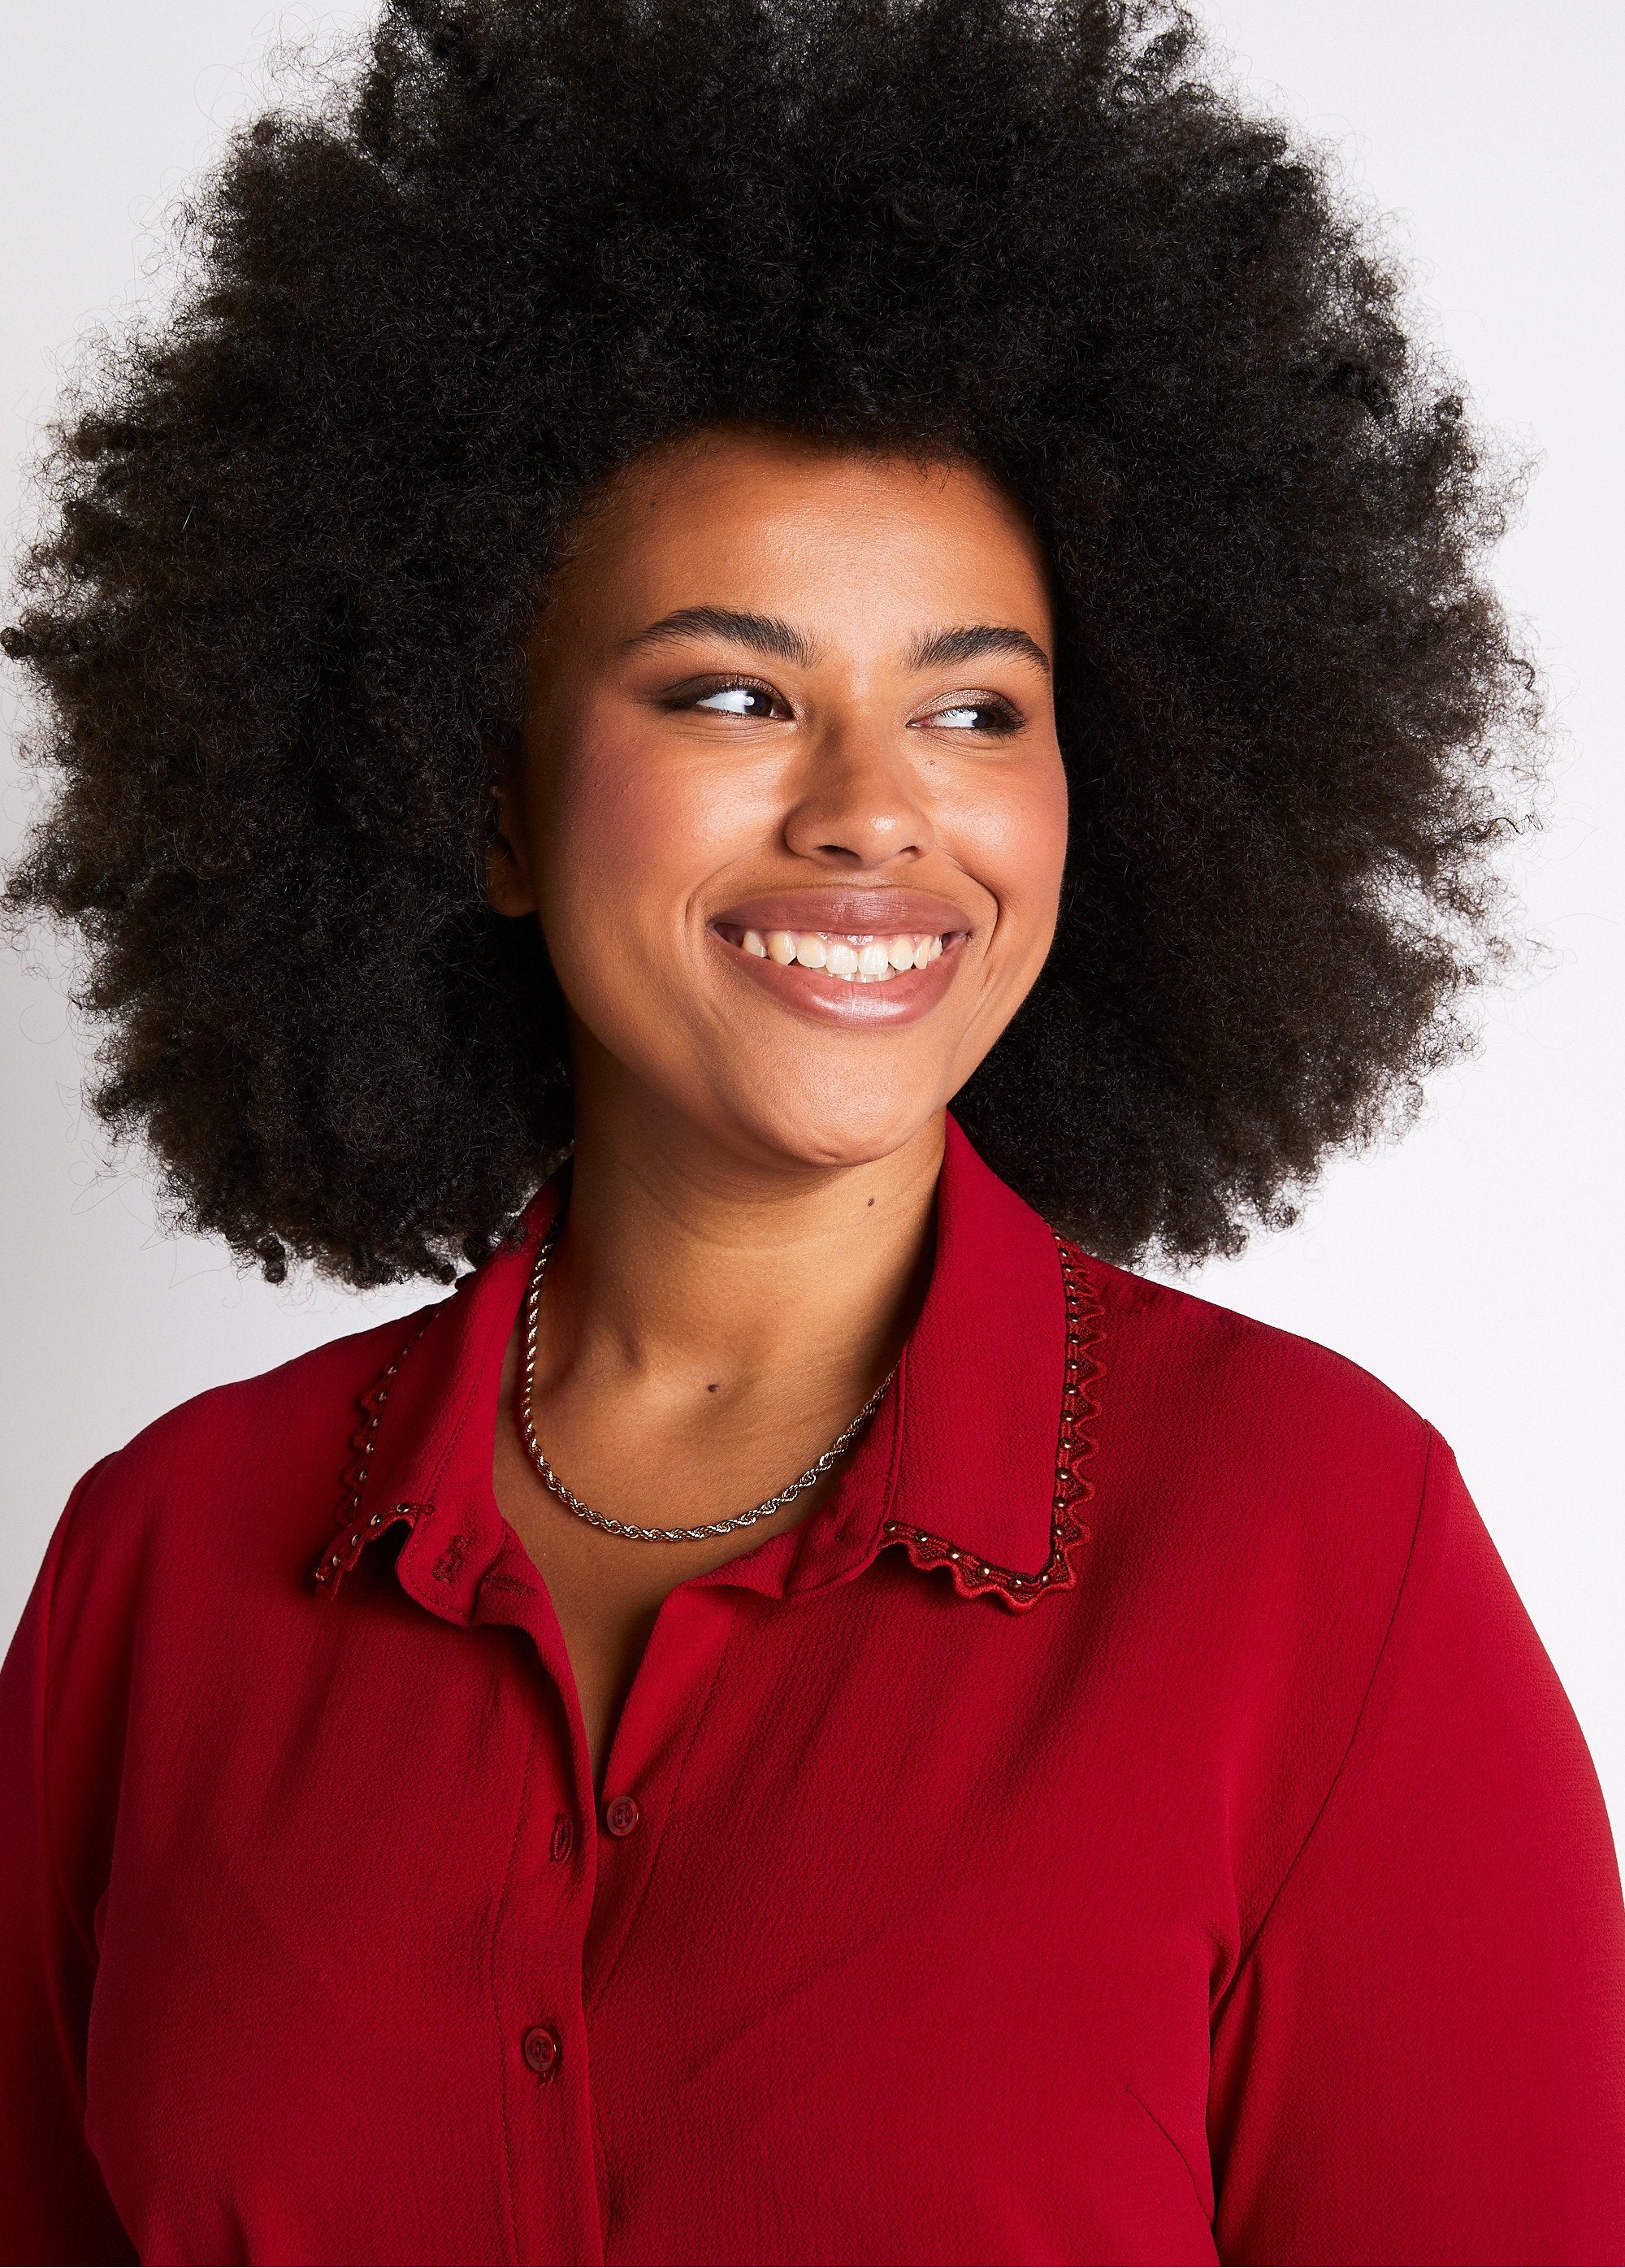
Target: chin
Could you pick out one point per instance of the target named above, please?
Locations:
(838, 1129)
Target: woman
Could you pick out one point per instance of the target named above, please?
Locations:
(686, 586)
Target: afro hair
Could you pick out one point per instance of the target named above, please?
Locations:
(301, 523)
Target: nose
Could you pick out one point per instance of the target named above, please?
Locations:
(858, 799)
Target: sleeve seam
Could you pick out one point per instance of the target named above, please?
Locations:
(58, 1547)
(1140, 2104)
(1268, 1916)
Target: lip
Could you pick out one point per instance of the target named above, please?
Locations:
(901, 999)
(851, 912)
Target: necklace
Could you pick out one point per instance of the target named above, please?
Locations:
(538, 1456)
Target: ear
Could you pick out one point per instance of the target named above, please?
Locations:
(507, 870)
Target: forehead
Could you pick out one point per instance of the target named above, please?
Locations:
(857, 542)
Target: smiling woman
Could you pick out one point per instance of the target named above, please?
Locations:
(636, 635)
(739, 825)
(733, 871)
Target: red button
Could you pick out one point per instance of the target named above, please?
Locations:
(563, 1837)
(542, 2051)
(620, 1816)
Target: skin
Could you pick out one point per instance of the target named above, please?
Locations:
(751, 1217)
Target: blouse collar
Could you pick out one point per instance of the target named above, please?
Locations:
(973, 1462)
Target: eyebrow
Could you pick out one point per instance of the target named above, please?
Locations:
(781, 640)
(763, 634)
(939, 649)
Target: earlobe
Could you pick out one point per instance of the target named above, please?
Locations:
(507, 882)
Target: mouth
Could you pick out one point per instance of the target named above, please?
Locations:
(850, 956)
(853, 960)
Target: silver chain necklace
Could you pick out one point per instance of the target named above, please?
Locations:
(538, 1456)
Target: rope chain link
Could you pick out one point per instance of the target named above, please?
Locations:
(633, 1534)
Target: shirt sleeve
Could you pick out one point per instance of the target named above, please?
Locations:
(1422, 2055)
(54, 2205)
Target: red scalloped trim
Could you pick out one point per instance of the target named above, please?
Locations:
(335, 1562)
(1069, 1537)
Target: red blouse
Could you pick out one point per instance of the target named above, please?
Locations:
(1133, 1819)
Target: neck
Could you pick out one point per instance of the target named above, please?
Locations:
(684, 1268)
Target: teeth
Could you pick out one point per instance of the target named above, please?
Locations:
(869, 960)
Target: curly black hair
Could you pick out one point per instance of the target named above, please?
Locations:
(302, 523)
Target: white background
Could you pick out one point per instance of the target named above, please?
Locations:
(1477, 1267)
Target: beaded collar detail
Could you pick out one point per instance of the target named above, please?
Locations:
(1069, 1537)
(359, 1524)
(358, 1530)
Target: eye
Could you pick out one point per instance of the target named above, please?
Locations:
(975, 716)
(738, 697)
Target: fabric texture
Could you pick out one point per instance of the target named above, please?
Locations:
(1242, 1891)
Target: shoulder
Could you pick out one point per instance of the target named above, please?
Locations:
(1276, 1423)
(219, 1482)
(276, 1415)
(1257, 1502)
(1289, 1479)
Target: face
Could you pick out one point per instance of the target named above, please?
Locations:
(791, 808)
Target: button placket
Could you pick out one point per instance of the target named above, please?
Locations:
(663, 1716)
(539, 1943)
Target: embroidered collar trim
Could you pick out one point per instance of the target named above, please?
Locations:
(1069, 1537)
(973, 1577)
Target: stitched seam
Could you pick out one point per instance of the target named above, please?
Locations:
(1140, 2102)
(70, 2062)
(1269, 1912)
(55, 1559)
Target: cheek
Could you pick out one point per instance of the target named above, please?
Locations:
(1014, 840)
(629, 835)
